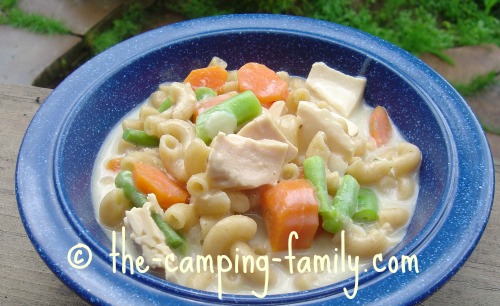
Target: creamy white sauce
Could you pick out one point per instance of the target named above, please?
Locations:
(103, 182)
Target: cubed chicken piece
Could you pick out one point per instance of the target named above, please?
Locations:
(263, 127)
(146, 234)
(342, 92)
(350, 127)
(315, 119)
(278, 109)
(239, 162)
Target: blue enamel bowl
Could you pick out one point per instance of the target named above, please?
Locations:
(53, 177)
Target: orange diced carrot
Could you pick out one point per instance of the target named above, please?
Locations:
(213, 77)
(263, 82)
(289, 206)
(114, 164)
(211, 102)
(380, 126)
(149, 179)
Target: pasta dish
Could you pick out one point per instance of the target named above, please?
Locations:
(239, 169)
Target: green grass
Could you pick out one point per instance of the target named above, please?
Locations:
(479, 83)
(11, 15)
(128, 25)
(7, 4)
(490, 128)
(416, 26)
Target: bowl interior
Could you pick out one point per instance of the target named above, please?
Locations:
(112, 96)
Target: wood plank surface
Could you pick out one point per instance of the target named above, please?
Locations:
(25, 279)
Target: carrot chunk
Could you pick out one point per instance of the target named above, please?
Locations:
(211, 102)
(264, 82)
(380, 126)
(290, 206)
(114, 164)
(149, 179)
(213, 77)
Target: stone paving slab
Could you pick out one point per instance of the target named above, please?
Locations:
(78, 15)
(25, 55)
(469, 61)
(486, 105)
(494, 141)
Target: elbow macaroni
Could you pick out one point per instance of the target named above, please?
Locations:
(226, 232)
(176, 136)
(181, 216)
(290, 171)
(196, 157)
(224, 221)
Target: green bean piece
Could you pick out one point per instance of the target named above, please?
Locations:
(172, 238)
(314, 172)
(204, 92)
(367, 210)
(140, 138)
(226, 116)
(335, 215)
(344, 205)
(165, 105)
(125, 181)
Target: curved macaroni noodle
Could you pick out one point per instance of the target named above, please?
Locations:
(215, 188)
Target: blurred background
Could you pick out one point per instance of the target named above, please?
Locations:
(41, 42)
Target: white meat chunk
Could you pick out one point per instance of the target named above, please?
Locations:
(263, 127)
(342, 92)
(278, 109)
(315, 119)
(352, 128)
(239, 162)
(146, 234)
